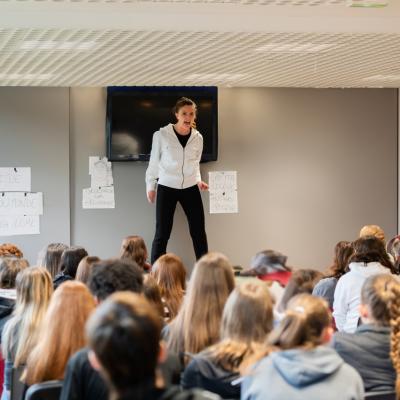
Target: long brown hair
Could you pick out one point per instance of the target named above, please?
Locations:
(170, 274)
(343, 251)
(62, 332)
(198, 321)
(246, 322)
(134, 248)
(302, 326)
(34, 288)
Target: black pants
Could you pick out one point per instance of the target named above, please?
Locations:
(190, 200)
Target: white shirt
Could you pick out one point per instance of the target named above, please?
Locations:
(348, 294)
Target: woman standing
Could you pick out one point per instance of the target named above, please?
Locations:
(175, 163)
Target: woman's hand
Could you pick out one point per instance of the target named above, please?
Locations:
(202, 185)
(151, 196)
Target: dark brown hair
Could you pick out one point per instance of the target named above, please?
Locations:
(343, 251)
(70, 259)
(371, 249)
(301, 281)
(134, 248)
(152, 292)
(9, 269)
(182, 102)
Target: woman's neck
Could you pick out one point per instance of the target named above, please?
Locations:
(182, 130)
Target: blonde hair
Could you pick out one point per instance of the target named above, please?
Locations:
(62, 332)
(305, 319)
(170, 274)
(34, 288)
(85, 268)
(246, 322)
(372, 230)
(134, 248)
(198, 321)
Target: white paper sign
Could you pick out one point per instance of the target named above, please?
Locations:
(223, 192)
(19, 203)
(100, 171)
(98, 197)
(15, 179)
(19, 225)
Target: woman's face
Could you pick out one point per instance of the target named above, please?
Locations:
(186, 116)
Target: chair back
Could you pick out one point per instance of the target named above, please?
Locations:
(380, 396)
(17, 387)
(49, 390)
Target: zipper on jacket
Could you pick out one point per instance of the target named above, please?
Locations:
(183, 163)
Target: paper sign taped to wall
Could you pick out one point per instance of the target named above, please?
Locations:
(100, 172)
(19, 203)
(223, 192)
(15, 179)
(19, 225)
(98, 197)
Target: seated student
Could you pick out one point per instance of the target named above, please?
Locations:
(69, 262)
(368, 349)
(62, 333)
(133, 248)
(81, 381)
(85, 267)
(325, 288)
(152, 292)
(299, 366)
(170, 274)
(9, 269)
(270, 266)
(50, 257)
(21, 332)
(246, 323)
(393, 248)
(10, 250)
(198, 322)
(124, 337)
(369, 258)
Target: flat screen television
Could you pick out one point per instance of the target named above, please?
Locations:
(134, 113)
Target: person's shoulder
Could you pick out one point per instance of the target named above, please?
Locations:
(175, 393)
(80, 359)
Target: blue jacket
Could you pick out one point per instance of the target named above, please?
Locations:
(299, 374)
(368, 351)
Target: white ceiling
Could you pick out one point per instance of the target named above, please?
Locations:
(281, 43)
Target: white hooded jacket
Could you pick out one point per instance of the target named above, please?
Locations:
(173, 165)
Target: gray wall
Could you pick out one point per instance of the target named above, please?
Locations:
(313, 167)
(34, 131)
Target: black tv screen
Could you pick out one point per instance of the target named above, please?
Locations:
(135, 113)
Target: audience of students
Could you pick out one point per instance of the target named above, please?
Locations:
(218, 337)
(170, 274)
(246, 322)
(197, 324)
(369, 258)
(325, 288)
(368, 349)
(299, 366)
(21, 332)
(133, 248)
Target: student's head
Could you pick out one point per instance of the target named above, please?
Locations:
(62, 332)
(152, 292)
(9, 269)
(393, 247)
(51, 256)
(266, 262)
(185, 111)
(343, 251)
(170, 274)
(307, 323)
(124, 336)
(70, 259)
(373, 230)
(197, 324)
(85, 267)
(249, 305)
(10, 250)
(302, 281)
(370, 249)
(133, 248)
(115, 275)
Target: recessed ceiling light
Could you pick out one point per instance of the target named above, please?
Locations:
(39, 77)
(295, 47)
(56, 45)
(215, 77)
(368, 3)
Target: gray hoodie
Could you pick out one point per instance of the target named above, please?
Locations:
(300, 374)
